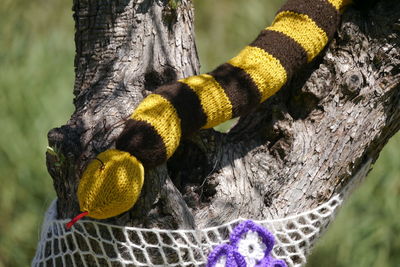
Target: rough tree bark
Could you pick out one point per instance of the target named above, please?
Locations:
(296, 151)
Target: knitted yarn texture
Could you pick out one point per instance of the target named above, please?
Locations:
(110, 184)
(299, 32)
(94, 243)
(249, 245)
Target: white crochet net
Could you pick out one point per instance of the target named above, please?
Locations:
(90, 243)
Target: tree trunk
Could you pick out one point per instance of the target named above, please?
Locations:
(124, 49)
(296, 151)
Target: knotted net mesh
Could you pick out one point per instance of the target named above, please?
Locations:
(90, 243)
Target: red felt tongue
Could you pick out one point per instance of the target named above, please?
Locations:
(77, 218)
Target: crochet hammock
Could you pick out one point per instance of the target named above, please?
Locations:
(92, 243)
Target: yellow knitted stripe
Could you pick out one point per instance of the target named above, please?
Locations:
(110, 184)
(161, 114)
(339, 4)
(265, 70)
(214, 101)
(303, 30)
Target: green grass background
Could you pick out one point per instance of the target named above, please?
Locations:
(36, 81)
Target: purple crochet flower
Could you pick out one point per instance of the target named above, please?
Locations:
(271, 262)
(250, 246)
(225, 256)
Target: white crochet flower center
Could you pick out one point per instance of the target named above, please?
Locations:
(252, 248)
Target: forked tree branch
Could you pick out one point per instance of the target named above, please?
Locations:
(297, 150)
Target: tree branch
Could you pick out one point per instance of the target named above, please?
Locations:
(297, 150)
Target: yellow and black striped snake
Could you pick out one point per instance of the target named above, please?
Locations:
(112, 182)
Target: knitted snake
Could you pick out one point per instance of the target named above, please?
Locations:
(112, 182)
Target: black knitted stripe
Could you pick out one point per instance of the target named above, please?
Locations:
(290, 54)
(187, 105)
(239, 87)
(323, 13)
(141, 140)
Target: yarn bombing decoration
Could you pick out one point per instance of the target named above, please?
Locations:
(119, 191)
(300, 30)
(250, 246)
(94, 243)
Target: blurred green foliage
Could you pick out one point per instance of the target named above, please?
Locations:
(36, 81)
